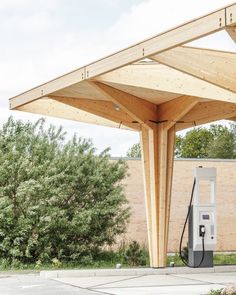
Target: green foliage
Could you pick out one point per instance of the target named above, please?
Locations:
(217, 142)
(185, 253)
(178, 145)
(224, 144)
(57, 199)
(135, 255)
(195, 143)
(106, 259)
(229, 290)
(215, 292)
(102, 259)
(224, 259)
(134, 151)
(38, 264)
(56, 263)
(219, 259)
(174, 258)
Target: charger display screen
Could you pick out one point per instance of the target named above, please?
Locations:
(205, 216)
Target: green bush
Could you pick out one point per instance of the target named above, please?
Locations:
(5, 263)
(215, 292)
(58, 199)
(38, 264)
(134, 255)
(220, 259)
(56, 263)
(184, 253)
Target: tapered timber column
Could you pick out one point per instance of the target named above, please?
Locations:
(157, 125)
(157, 155)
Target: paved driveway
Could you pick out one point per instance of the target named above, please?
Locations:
(150, 284)
(35, 285)
(189, 284)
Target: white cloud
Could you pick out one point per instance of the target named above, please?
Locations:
(28, 5)
(152, 17)
(30, 24)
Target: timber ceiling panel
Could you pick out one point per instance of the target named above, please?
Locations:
(80, 90)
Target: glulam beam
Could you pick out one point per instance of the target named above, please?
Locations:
(104, 109)
(172, 111)
(185, 33)
(51, 107)
(140, 110)
(205, 112)
(232, 33)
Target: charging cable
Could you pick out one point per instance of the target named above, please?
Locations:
(202, 232)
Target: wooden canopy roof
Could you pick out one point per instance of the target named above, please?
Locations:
(160, 79)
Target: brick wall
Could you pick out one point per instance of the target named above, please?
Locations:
(181, 190)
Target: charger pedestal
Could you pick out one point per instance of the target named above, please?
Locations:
(195, 257)
(202, 214)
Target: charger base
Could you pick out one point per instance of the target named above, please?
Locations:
(194, 258)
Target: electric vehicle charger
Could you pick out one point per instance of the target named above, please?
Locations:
(202, 233)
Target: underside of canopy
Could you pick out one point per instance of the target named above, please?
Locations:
(158, 86)
(159, 72)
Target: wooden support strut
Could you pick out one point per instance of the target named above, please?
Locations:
(205, 112)
(157, 155)
(105, 109)
(232, 32)
(140, 110)
(144, 140)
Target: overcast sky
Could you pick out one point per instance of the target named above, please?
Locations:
(42, 39)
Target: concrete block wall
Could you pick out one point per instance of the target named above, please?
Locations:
(181, 190)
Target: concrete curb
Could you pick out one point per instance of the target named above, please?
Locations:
(133, 271)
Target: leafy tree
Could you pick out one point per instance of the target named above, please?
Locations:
(218, 141)
(178, 145)
(195, 143)
(134, 151)
(224, 144)
(57, 199)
